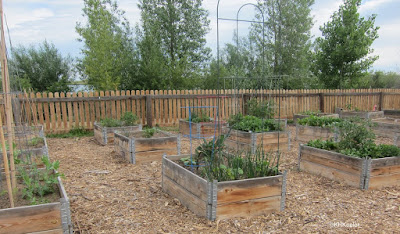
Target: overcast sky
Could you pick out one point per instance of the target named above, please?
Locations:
(32, 21)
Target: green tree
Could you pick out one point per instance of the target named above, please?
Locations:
(173, 41)
(342, 54)
(287, 38)
(41, 68)
(109, 56)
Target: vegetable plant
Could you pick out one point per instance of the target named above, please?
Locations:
(322, 121)
(198, 117)
(356, 139)
(149, 132)
(253, 123)
(127, 119)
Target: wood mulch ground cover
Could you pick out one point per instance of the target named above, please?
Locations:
(109, 195)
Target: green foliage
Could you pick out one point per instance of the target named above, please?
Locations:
(253, 124)
(214, 164)
(287, 38)
(74, 132)
(260, 109)
(129, 119)
(356, 139)
(39, 182)
(199, 116)
(110, 122)
(109, 57)
(36, 141)
(41, 68)
(342, 55)
(172, 42)
(321, 144)
(149, 132)
(380, 79)
(309, 112)
(322, 121)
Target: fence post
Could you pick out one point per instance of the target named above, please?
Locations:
(246, 98)
(321, 102)
(381, 101)
(149, 116)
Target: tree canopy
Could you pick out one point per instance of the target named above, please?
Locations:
(343, 54)
(41, 68)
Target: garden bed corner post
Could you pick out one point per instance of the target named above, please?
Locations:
(366, 173)
(132, 150)
(212, 200)
(283, 194)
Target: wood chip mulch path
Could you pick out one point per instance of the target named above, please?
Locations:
(108, 195)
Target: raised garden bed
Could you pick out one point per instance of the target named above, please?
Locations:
(386, 127)
(364, 173)
(392, 113)
(200, 130)
(105, 135)
(241, 140)
(223, 200)
(306, 133)
(44, 218)
(135, 148)
(302, 116)
(361, 114)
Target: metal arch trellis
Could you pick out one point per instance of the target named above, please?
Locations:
(275, 82)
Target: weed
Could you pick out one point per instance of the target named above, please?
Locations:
(75, 132)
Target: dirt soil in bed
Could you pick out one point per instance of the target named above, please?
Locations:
(109, 195)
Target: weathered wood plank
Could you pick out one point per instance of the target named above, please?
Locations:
(335, 164)
(30, 218)
(341, 158)
(248, 189)
(192, 202)
(331, 173)
(190, 181)
(377, 182)
(249, 208)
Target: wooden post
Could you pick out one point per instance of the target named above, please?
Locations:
(5, 163)
(149, 114)
(381, 101)
(321, 102)
(246, 98)
(7, 92)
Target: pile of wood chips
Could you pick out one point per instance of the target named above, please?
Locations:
(108, 195)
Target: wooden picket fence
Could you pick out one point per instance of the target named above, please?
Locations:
(60, 112)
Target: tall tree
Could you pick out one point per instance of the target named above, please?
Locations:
(287, 38)
(174, 29)
(41, 68)
(342, 55)
(108, 54)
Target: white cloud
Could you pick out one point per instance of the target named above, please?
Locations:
(372, 5)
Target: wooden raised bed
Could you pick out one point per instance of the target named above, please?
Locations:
(364, 173)
(361, 114)
(249, 141)
(223, 200)
(44, 218)
(137, 149)
(392, 113)
(386, 127)
(306, 133)
(105, 135)
(300, 116)
(199, 130)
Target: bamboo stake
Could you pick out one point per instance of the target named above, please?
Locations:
(6, 168)
(6, 90)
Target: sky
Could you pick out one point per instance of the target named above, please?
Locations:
(32, 21)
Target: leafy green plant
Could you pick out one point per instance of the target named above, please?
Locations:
(129, 119)
(253, 123)
(36, 141)
(261, 109)
(198, 117)
(322, 121)
(356, 139)
(149, 132)
(309, 112)
(39, 182)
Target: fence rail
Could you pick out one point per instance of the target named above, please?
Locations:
(60, 112)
